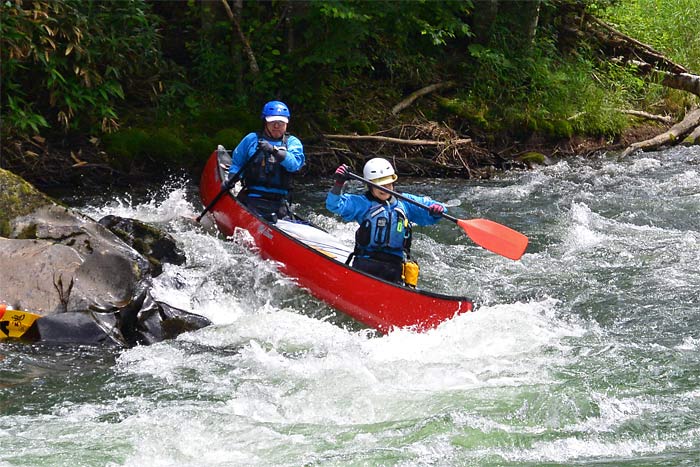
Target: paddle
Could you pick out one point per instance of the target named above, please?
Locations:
(487, 234)
(227, 186)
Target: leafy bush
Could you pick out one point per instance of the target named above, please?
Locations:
(69, 63)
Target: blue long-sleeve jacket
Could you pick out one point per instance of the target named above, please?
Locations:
(357, 208)
(248, 146)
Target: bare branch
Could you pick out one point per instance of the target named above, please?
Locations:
(648, 116)
(421, 92)
(246, 45)
(691, 120)
(387, 139)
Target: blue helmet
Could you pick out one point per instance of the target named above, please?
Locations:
(275, 111)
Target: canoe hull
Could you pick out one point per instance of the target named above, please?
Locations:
(371, 301)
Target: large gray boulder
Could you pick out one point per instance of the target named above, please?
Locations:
(88, 285)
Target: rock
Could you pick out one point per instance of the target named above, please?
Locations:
(88, 285)
(157, 246)
(533, 157)
(74, 263)
(18, 198)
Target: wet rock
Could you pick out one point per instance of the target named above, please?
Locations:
(157, 246)
(86, 283)
(17, 198)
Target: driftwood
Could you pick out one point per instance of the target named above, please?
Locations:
(244, 40)
(691, 121)
(648, 116)
(410, 142)
(681, 81)
(419, 93)
(693, 138)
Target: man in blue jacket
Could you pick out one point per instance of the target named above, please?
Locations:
(383, 241)
(265, 163)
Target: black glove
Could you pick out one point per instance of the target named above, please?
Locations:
(436, 210)
(266, 147)
(279, 153)
(228, 184)
(342, 174)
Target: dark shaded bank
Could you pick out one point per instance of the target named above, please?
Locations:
(81, 162)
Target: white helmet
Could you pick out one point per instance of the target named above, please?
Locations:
(379, 171)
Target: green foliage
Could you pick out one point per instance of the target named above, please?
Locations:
(339, 64)
(164, 145)
(672, 27)
(126, 147)
(229, 137)
(201, 147)
(307, 51)
(182, 141)
(540, 92)
(143, 147)
(70, 62)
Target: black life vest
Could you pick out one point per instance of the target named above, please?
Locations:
(263, 170)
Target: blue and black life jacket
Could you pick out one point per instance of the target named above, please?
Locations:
(385, 229)
(263, 170)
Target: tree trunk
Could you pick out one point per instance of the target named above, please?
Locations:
(691, 121)
(236, 56)
(693, 138)
(522, 19)
(483, 18)
(618, 44)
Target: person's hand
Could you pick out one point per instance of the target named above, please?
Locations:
(342, 174)
(265, 146)
(279, 153)
(230, 182)
(436, 210)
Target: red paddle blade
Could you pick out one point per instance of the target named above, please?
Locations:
(495, 237)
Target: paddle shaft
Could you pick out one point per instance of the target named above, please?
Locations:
(227, 186)
(399, 195)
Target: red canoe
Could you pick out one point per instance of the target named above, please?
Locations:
(315, 260)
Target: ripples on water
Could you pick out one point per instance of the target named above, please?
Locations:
(585, 352)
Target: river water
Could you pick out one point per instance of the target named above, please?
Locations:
(585, 352)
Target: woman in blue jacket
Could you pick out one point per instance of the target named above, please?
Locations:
(265, 163)
(383, 241)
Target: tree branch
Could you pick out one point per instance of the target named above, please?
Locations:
(693, 138)
(648, 116)
(246, 45)
(410, 142)
(421, 92)
(691, 120)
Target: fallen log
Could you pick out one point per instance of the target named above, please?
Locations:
(421, 92)
(619, 43)
(648, 116)
(693, 138)
(681, 81)
(690, 122)
(410, 142)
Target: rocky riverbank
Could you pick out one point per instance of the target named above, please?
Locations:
(86, 283)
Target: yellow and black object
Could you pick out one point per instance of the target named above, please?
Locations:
(17, 324)
(411, 270)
